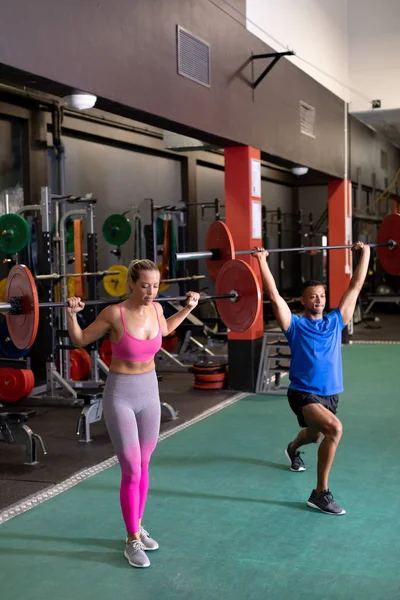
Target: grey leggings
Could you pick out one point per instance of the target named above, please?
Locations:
(132, 413)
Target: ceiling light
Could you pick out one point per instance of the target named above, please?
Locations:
(80, 101)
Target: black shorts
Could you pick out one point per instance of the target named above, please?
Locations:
(298, 399)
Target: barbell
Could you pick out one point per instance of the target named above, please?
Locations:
(220, 247)
(238, 298)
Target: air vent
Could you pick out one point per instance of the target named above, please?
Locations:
(384, 160)
(193, 57)
(307, 119)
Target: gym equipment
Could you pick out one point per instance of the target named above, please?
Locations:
(80, 290)
(179, 279)
(15, 384)
(91, 413)
(389, 231)
(22, 305)
(13, 430)
(7, 348)
(80, 364)
(209, 375)
(14, 233)
(239, 276)
(3, 285)
(274, 364)
(218, 236)
(116, 230)
(170, 342)
(59, 275)
(115, 281)
(106, 352)
(23, 328)
(388, 242)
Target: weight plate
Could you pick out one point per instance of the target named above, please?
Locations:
(14, 384)
(23, 328)
(86, 362)
(219, 237)
(14, 233)
(115, 285)
(390, 230)
(7, 348)
(238, 276)
(116, 229)
(106, 352)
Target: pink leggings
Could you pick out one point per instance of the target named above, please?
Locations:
(132, 410)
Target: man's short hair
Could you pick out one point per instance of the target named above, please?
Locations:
(309, 283)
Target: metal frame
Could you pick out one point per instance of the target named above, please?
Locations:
(276, 56)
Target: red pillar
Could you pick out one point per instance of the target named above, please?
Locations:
(339, 232)
(243, 217)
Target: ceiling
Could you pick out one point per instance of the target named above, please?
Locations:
(386, 122)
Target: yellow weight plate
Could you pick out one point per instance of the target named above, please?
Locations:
(57, 292)
(115, 285)
(163, 286)
(3, 284)
(71, 286)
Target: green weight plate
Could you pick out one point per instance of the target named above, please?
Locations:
(116, 230)
(14, 233)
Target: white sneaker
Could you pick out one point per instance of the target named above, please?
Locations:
(135, 554)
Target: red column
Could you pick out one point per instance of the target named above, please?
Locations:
(339, 232)
(243, 217)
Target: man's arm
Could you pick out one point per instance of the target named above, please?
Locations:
(279, 306)
(348, 302)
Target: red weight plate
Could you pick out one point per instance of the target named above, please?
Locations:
(106, 352)
(86, 361)
(210, 378)
(23, 328)
(238, 276)
(390, 230)
(219, 237)
(170, 342)
(75, 365)
(30, 381)
(13, 384)
(208, 386)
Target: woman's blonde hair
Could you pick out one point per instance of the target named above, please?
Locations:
(135, 267)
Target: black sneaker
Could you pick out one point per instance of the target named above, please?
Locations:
(324, 502)
(296, 462)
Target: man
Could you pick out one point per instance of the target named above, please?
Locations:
(315, 369)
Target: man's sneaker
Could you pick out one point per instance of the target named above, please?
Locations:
(296, 462)
(147, 541)
(324, 502)
(135, 554)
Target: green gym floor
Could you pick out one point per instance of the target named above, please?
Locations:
(230, 517)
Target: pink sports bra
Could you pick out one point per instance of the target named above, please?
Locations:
(134, 350)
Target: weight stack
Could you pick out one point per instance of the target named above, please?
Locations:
(209, 375)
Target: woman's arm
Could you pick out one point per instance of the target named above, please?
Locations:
(100, 326)
(169, 325)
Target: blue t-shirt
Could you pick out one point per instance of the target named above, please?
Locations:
(316, 362)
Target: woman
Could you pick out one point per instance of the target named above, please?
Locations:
(131, 400)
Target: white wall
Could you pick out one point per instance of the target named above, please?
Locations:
(314, 29)
(374, 40)
(351, 47)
